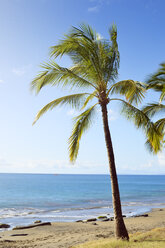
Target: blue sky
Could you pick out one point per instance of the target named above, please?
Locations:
(28, 28)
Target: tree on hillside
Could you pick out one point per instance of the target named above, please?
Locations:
(156, 82)
(95, 64)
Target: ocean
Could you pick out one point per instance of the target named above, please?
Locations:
(25, 198)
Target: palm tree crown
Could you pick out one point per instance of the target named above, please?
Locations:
(94, 69)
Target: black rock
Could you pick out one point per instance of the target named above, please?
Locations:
(10, 241)
(92, 219)
(37, 221)
(106, 219)
(102, 217)
(4, 225)
(142, 215)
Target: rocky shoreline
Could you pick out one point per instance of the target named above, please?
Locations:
(40, 223)
(64, 235)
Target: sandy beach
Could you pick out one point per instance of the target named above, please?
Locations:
(66, 235)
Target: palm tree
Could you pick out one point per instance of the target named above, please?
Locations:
(94, 70)
(156, 82)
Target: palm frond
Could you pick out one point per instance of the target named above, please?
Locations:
(81, 52)
(99, 56)
(157, 79)
(133, 90)
(82, 123)
(160, 125)
(153, 108)
(84, 31)
(157, 84)
(74, 100)
(154, 136)
(113, 37)
(57, 75)
(116, 54)
(89, 98)
(162, 95)
(155, 146)
(141, 120)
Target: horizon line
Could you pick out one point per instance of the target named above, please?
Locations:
(95, 174)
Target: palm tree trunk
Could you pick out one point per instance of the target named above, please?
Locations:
(120, 229)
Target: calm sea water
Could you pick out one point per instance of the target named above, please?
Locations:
(25, 198)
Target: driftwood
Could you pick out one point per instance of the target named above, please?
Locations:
(19, 234)
(31, 226)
